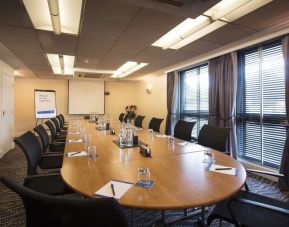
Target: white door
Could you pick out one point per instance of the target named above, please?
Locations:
(7, 98)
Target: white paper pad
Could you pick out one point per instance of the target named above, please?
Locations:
(120, 188)
(76, 154)
(161, 136)
(73, 133)
(75, 141)
(229, 171)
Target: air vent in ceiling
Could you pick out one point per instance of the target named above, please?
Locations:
(91, 75)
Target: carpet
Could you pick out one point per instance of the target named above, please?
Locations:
(12, 211)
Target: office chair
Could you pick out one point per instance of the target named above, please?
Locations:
(250, 209)
(155, 124)
(183, 130)
(52, 146)
(63, 119)
(61, 122)
(46, 210)
(121, 117)
(54, 134)
(138, 121)
(58, 126)
(30, 145)
(214, 137)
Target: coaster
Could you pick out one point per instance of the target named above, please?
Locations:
(143, 184)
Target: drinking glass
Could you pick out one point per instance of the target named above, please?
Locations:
(143, 176)
(208, 156)
(87, 140)
(91, 152)
(150, 130)
(171, 139)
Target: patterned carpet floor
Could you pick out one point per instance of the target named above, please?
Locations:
(12, 212)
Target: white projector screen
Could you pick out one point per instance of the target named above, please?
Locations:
(85, 96)
(45, 103)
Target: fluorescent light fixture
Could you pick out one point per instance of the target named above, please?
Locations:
(128, 68)
(216, 17)
(61, 64)
(55, 15)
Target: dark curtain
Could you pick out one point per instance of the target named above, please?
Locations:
(222, 95)
(285, 156)
(172, 101)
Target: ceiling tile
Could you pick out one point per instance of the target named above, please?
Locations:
(93, 47)
(13, 13)
(227, 34)
(82, 62)
(103, 29)
(156, 20)
(266, 16)
(57, 44)
(110, 10)
(151, 54)
(128, 47)
(201, 46)
(140, 35)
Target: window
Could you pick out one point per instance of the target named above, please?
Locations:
(261, 105)
(194, 96)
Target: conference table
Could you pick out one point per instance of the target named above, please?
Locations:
(181, 178)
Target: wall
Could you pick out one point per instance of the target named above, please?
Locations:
(154, 104)
(121, 95)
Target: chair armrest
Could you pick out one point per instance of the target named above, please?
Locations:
(51, 161)
(57, 142)
(42, 175)
(265, 172)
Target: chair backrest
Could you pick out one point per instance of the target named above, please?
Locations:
(183, 130)
(41, 131)
(121, 117)
(60, 120)
(155, 124)
(46, 210)
(56, 124)
(214, 137)
(138, 121)
(51, 128)
(63, 119)
(30, 145)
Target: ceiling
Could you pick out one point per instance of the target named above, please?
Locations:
(115, 31)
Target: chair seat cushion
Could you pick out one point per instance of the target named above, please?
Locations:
(54, 147)
(51, 184)
(250, 215)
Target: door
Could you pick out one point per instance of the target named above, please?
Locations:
(7, 99)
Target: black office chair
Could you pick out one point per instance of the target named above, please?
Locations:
(63, 119)
(30, 145)
(183, 130)
(58, 126)
(155, 124)
(54, 134)
(46, 210)
(250, 209)
(138, 121)
(214, 137)
(121, 117)
(61, 122)
(52, 146)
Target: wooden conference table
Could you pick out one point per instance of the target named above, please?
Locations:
(181, 179)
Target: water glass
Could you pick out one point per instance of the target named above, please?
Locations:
(208, 156)
(150, 130)
(87, 140)
(91, 152)
(143, 176)
(171, 139)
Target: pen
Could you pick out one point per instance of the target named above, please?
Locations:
(75, 153)
(112, 189)
(223, 168)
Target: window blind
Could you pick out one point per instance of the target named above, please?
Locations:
(261, 105)
(194, 96)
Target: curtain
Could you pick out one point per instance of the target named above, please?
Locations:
(222, 95)
(285, 156)
(172, 101)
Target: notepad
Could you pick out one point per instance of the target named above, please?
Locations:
(76, 154)
(75, 141)
(161, 136)
(73, 133)
(120, 188)
(232, 171)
